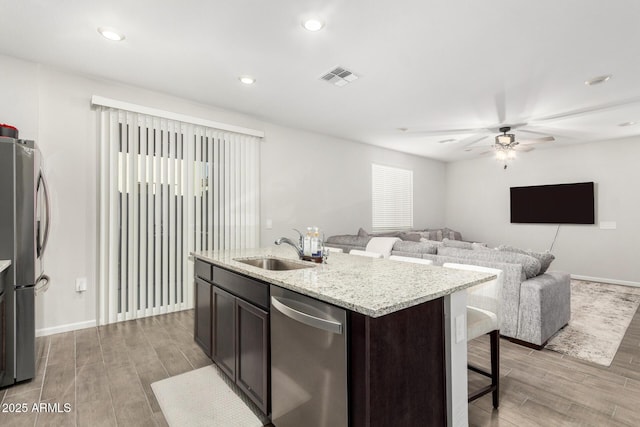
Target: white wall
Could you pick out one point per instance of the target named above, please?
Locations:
(477, 203)
(310, 179)
(307, 179)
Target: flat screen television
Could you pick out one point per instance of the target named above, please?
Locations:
(553, 204)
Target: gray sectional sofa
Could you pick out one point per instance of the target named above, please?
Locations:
(535, 302)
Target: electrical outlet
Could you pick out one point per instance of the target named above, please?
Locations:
(81, 284)
(268, 224)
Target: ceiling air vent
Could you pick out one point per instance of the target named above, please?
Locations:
(339, 76)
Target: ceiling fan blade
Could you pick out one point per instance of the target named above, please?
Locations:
(587, 110)
(536, 140)
(525, 148)
(445, 131)
(478, 147)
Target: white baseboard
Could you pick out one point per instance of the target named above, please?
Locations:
(65, 328)
(605, 280)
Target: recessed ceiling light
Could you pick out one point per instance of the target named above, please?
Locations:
(313, 25)
(248, 80)
(402, 129)
(111, 34)
(598, 80)
(628, 124)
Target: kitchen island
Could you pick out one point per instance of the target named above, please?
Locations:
(405, 359)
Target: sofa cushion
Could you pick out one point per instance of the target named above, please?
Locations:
(480, 246)
(364, 233)
(433, 242)
(456, 244)
(348, 239)
(530, 265)
(412, 237)
(545, 258)
(415, 247)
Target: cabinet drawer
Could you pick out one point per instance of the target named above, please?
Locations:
(243, 287)
(203, 270)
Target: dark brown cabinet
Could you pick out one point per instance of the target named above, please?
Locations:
(252, 326)
(224, 331)
(202, 332)
(238, 328)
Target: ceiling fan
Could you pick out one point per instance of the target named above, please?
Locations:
(506, 146)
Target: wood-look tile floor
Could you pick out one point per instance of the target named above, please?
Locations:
(105, 375)
(545, 388)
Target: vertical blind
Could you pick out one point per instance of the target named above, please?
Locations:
(392, 198)
(168, 188)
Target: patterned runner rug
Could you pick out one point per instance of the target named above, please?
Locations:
(600, 316)
(202, 398)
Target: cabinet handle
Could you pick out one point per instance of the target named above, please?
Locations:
(307, 319)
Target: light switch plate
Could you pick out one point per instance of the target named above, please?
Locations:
(268, 224)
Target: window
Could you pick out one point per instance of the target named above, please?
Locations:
(392, 198)
(168, 188)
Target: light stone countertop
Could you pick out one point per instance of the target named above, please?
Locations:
(369, 286)
(4, 264)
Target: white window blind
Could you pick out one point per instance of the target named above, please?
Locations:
(392, 198)
(168, 188)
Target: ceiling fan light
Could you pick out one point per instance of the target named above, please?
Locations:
(505, 139)
(501, 155)
(511, 154)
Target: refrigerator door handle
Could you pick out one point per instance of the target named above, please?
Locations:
(42, 284)
(45, 238)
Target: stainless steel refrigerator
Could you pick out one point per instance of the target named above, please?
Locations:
(24, 231)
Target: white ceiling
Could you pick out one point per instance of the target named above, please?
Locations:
(425, 65)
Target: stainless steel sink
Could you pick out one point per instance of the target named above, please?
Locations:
(279, 264)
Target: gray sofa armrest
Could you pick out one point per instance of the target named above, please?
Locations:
(545, 306)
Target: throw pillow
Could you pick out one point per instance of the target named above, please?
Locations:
(451, 234)
(362, 232)
(545, 258)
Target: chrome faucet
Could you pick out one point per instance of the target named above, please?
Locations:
(297, 247)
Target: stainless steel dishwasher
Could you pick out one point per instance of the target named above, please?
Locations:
(308, 362)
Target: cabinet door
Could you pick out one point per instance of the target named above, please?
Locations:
(202, 326)
(224, 331)
(253, 343)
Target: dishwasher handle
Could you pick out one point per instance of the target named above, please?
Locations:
(307, 319)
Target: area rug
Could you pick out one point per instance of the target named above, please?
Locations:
(600, 316)
(202, 398)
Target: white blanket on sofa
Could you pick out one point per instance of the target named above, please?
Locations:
(382, 245)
